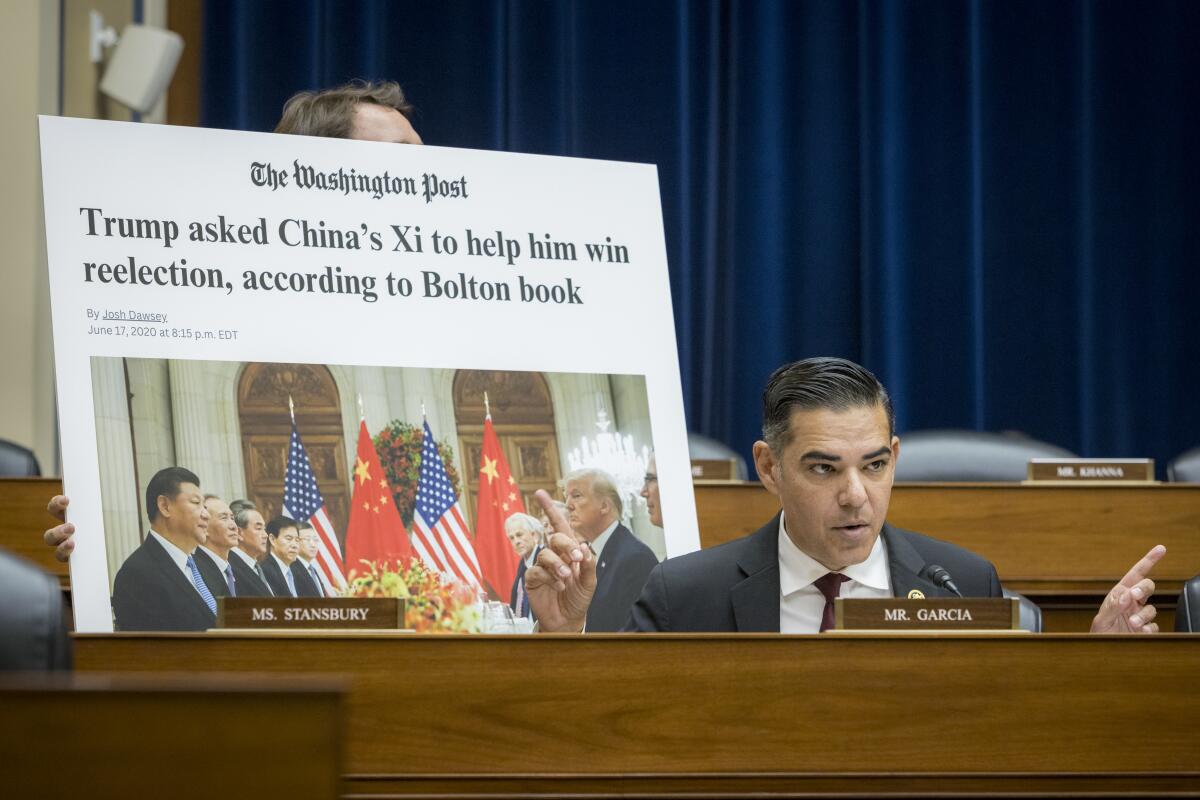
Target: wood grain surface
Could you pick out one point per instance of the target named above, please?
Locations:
(187, 737)
(723, 715)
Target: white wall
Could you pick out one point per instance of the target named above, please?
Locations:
(29, 62)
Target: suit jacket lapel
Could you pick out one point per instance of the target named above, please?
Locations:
(756, 599)
(905, 565)
(168, 566)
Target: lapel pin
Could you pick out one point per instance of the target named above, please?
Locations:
(916, 594)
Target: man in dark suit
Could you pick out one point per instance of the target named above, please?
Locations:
(305, 569)
(284, 535)
(250, 550)
(594, 509)
(159, 587)
(213, 556)
(525, 533)
(33, 635)
(828, 453)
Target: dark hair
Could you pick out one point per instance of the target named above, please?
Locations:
(832, 383)
(241, 512)
(166, 483)
(279, 523)
(330, 112)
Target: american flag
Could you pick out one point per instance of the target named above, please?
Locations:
(302, 500)
(439, 532)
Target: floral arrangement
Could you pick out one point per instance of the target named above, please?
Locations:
(399, 448)
(432, 604)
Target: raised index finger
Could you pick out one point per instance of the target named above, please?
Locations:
(557, 520)
(1142, 568)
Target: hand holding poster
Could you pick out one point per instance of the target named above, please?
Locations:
(204, 283)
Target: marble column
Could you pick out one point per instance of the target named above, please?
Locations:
(119, 491)
(204, 409)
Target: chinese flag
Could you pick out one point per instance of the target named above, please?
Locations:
(498, 498)
(375, 532)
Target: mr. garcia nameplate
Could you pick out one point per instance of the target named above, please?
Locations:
(341, 613)
(1092, 470)
(934, 613)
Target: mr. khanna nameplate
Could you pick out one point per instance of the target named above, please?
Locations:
(935, 613)
(1091, 470)
(341, 613)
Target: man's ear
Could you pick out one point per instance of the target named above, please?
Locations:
(767, 466)
(164, 505)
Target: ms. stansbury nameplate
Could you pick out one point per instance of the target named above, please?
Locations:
(341, 613)
(934, 613)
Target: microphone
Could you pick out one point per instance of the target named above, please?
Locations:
(941, 577)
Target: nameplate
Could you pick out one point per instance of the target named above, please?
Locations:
(934, 613)
(339, 613)
(1092, 470)
(714, 469)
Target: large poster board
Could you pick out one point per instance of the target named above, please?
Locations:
(219, 296)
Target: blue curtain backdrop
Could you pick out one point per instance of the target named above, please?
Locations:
(993, 205)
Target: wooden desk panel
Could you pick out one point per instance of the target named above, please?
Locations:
(721, 715)
(187, 737)
(1064, 547)
(23, 519)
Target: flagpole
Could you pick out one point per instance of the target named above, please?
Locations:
(423, 415)
(487, 407)
(361, 416)
(292, 409)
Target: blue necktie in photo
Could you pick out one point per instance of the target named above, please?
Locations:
(229, 579)
(201, 586)
(313, 571)
(291, 581)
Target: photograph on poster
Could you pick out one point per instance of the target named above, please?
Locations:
(178, 281)
(224, 478)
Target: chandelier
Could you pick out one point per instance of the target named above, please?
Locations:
(617, 455)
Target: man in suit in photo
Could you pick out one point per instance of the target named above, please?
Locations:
(306, 571)
(828, 453)
(623, 562)
(283, 533)
(250, 551)
(525, 533)
(159, 587)
(650, 493)
(213, 555)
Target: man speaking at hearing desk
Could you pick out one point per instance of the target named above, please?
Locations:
(828, 453)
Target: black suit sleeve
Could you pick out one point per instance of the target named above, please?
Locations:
(650, 612)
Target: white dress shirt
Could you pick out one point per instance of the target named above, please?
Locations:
(801, 604)
(601, 540)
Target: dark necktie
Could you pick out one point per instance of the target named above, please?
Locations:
(830, 585)
(262, 576)
(316, 579)
(522, 598)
